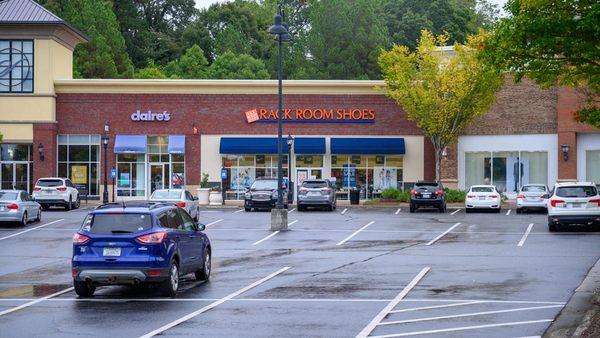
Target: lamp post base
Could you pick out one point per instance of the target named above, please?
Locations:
(279, 219)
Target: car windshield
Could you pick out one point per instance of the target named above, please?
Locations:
(116, 224)
(581, 191)
(49, 183)
(264, 185)
(482, 189)
(8, 195)
(166, 194)
(534, 188)
(426, 184)
(314, 184)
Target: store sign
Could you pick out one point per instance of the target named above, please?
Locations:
(305, 115)
(150, 116)
(79, 174)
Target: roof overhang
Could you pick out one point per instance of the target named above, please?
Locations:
(60, 32)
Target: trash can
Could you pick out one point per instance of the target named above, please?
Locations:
(354, 196)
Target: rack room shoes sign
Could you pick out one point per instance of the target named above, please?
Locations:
(302, 115)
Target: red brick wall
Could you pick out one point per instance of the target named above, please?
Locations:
(44, 133)
(223, 114)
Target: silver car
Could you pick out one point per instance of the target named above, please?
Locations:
(18, 206)
(182, 198)
(532, 196)
(317, 193)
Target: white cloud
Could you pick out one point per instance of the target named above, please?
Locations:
(205, 3)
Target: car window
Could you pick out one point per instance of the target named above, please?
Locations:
(163, 220)
(580, 191)
(189, 196)
(188, 222)
(166, 194)
(49, 183)
(314, 184)
(23, 196)
(68, 183)
(426, 184)
(534, 188)
(175, 221)
(117, 224)
(8, 196)
(482, 189)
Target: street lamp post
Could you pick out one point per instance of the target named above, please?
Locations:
(105, 140)
(279, 30)
(290, 143)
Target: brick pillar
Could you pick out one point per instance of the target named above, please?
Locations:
(450, 167)
(46, 135)
(567, 170)
(429, 160)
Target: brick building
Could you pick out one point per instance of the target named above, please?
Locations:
(168, 133)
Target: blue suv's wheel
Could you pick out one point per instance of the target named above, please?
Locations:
(83, 289)
(204, 273)
(170, 286)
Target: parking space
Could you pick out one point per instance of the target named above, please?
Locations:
(367, 272)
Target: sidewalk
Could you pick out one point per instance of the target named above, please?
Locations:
(581, 316)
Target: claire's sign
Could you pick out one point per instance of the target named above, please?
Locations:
(308, 115)
(150, 116)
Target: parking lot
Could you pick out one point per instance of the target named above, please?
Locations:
(353, 272)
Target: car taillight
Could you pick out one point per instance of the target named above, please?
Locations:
(493, 196)
(471, 196)
(61, 188)
(153, 238)
(12, 207)
(74, 272)
(37, 188)
(596, 201)
(555, 203)
(439, 192)
(180, 204)
(520, 196)
(325, 189)
(80, 239)
(302, 190)
(413, 192)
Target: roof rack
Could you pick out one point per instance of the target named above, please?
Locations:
(135, 204)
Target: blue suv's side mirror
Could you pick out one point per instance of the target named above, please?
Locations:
(201, 227)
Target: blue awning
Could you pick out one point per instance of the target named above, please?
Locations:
(176, 144)
(250, 145)
(309, 145)
(367, 146)
(130, 144)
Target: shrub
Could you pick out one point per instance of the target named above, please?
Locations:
(455, 196)
(404, 196)
(390, 193)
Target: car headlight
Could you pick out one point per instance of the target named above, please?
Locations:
(274, 194)
(248, 195)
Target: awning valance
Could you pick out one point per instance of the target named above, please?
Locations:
(176, 144)
(309, 145)
(250, 145)
(368, 146)
(130, 144)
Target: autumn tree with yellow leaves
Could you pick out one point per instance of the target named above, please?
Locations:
(443, 92)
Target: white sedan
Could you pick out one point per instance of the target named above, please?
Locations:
(532, 196)
(180, 197)
(483, 197)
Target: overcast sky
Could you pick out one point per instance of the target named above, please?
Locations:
(206, 3)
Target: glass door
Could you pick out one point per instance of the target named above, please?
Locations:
(21, 176)
(7, 176)
(159, 176)
(14, 176)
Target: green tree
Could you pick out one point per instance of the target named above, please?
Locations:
(552, 42)
(346, 38)
(105, 55)
(441, 93)
(242, 66)
(151, 71)
(459, 18)
(191, 65)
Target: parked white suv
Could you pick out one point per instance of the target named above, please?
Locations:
(58, 191)
(574, 203)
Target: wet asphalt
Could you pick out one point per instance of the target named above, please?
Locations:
(487, 277)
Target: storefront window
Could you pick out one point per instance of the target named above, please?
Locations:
(131, 175)
(167, 171)
(242, 170)
(508, 171)
(592, 166)
(16, 66)
(370, 174)
(78, 159)
(16, 166)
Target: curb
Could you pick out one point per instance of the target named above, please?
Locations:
(581, 311)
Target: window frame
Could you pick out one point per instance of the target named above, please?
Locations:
(10, 77)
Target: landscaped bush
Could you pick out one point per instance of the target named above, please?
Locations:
(404, 196)
(390, 193)
(455, 196)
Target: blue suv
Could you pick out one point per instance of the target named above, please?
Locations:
(135, 243)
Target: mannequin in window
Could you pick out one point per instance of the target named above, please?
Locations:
(517, 173)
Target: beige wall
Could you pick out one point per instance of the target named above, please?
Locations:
(16, 132)
(414, 170)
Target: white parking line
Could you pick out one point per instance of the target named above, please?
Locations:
(28, 230)
(508, 212)
(212, 223)
(235, 212)
(470, 314)
(398, 211)
(212, 305)
(386, 310)
(291, 210)
(463, 328)
(273, 234)
(436, 307)
(33, 302)
(524, 238)
(344, 211)
(454, 212)
(443, 234)
(354, 233)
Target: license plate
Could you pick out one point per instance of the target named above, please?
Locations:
(482, 198)
(576, 205)
(112, 252)
(314, 193)
(426, 195)
(533, 199)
